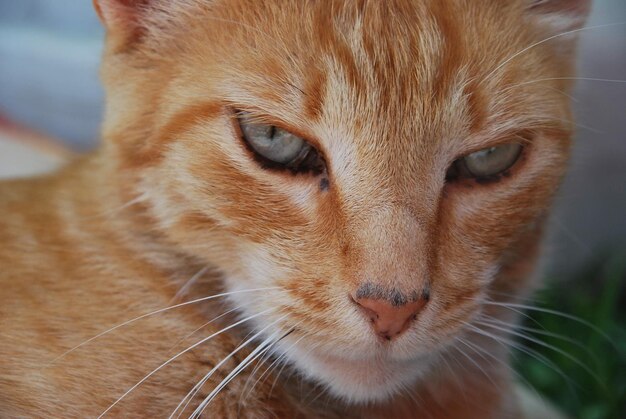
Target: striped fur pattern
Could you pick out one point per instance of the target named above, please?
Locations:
(390, 93)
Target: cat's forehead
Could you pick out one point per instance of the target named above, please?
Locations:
(366, 62)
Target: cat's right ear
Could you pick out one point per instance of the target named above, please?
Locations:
(562, 20)
(121, 18)
(561, 15)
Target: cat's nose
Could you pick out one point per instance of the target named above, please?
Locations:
(389, 318)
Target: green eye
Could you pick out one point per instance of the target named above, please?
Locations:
(487, 163)
(278, 148)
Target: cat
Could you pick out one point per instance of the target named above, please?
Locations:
(299, 209)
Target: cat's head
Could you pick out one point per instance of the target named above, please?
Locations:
(377, 165)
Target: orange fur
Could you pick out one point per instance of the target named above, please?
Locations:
(391, 93)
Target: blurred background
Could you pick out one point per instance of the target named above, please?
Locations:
(49, 85)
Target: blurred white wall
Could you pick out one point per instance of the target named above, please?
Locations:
(49, 57)
(591, 208)
(49, 54)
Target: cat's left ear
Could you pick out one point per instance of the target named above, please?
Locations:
(560, 16)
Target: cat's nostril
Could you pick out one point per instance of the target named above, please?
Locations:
(390, 320)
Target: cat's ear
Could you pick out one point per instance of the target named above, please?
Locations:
(121, 17)
(560, 16)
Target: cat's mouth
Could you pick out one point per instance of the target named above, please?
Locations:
(375, 376)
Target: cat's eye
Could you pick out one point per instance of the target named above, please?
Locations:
(487, 163)
(278, 147)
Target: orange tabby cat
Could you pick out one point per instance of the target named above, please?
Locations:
(351, 189)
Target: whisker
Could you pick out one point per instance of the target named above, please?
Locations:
(126, 323)
(545, 345)
(263, 361)
(259, 351)
(554, 89)
(195, 345)
(476, 364)
(544, 333)
(569, 78)
(284, 362)
(572, 236)
(321, 390)
(514, 310)
(543, 41)
(589, 128)
(464, 367)
(275, 364)
(256, 353)
(444, 357)
(256, 368)
(519, 376)
(470, 401)
(472, 346)
(513, 86)
(205, 325)
(191, 394)
(113, 211)
(507, 343)
(410, 392)
(513, 296)
(554, 312)
(189, 283)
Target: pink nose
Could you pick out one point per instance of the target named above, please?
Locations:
(390, 320)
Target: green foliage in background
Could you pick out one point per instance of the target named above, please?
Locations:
(586, 373)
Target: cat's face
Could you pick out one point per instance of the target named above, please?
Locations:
(386, 215)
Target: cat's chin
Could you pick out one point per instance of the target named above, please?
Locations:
(376, 379)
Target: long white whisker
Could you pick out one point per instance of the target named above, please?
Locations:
(444, 357)
(226, 313)
(468, 400)
(543, 41)
(530, 299)
(189, 283)
(275, 364)
(571, 78)
(260, 350)
(517, 311)
(284, 362)
(519, 376)
(191, 394)
(554, 89)
(511, 87)
(476, 364)
(507, 343)
(126, 323)
(545, 345)
(462, 366)
(195, 345)
(512, 306)
(579, 345)
(256, 368)
(263, 360)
